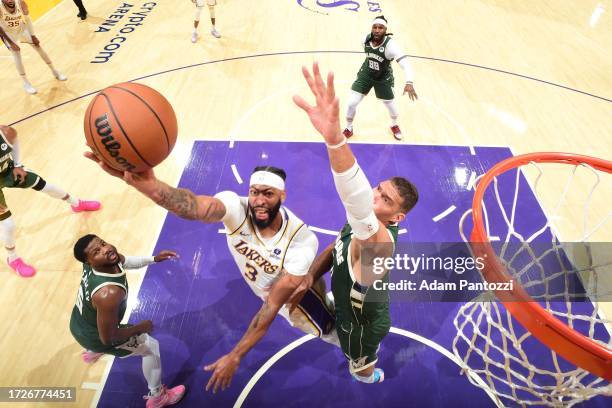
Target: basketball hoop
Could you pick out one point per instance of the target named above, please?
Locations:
(503, 359)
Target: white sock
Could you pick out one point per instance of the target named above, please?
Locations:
(56, 192)
(151, 367)
(390, 104)
(354, 99)
(7, 233)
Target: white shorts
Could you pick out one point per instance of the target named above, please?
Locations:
(23, 37)
(202, 3)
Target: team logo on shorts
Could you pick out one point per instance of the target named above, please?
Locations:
(359, 363)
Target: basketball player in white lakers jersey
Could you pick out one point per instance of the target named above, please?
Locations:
(196, 20)
(15, 27)
(272, 247)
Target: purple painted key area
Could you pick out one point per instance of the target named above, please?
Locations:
(201, 306)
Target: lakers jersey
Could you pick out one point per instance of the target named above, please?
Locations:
(12, 23)
(261, 260)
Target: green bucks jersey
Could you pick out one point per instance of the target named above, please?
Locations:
(376, 65)
(6, 159)
(84, 319)
(351, 299)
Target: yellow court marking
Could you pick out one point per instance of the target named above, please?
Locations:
(39, 7)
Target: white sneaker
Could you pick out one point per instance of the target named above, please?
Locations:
(194, 37)
(59, 76)
(29, 88)
(215, 33)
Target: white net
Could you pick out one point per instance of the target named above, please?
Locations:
(571, 281)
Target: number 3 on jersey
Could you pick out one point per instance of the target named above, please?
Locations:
(250, 272)
(373, 65)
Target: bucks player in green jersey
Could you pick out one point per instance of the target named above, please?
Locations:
(13, 174)
(100, 306)
(376, 72)
(362, 320)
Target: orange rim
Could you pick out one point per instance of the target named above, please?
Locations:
(565, 341)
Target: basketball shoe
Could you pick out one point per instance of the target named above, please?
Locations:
(23, 269)
(90, 357)
(377, 376)
(397, 133)
(86, 206)
(166, 397)
(27, 86)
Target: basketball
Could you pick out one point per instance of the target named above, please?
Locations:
(130, 127)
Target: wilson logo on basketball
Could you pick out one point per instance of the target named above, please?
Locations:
(104, 130)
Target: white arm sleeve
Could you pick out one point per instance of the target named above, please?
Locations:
(393, 51)
(358, 199)
(137, 262)
(235, 209)
(301, 252)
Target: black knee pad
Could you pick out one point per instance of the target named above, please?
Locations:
(40, 184)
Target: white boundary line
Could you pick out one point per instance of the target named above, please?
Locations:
(322, 230)
(305, 139)
(295, 344)
(444, 213)
(236, 174)
(90, 386)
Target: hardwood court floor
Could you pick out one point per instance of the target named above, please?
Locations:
(533, 77)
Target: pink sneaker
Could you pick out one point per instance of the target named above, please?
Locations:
(23, 269)
(397, 133)
(167, 397)
(90, 357)
(86, 206)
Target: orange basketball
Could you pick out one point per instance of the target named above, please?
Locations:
(130, 126)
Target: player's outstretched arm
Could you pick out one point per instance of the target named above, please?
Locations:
(179, 201)
(351, 183)
(224, 368)
(325, 117)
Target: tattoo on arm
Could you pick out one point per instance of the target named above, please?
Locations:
(179, 201)
(186, 204)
